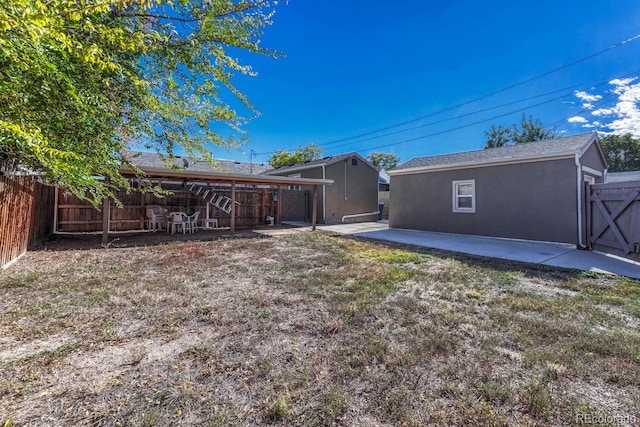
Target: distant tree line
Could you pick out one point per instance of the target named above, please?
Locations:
(622, 151)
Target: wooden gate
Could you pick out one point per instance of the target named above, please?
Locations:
(295, 205)
(613, 218)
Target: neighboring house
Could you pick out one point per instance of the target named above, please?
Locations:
(383, 193)
(354, 193)
(383, 181)
(531, 191)
(623, 176)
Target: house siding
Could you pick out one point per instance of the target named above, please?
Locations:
(360, 195)
(534, 201)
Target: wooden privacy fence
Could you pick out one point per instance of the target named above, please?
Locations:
(613, 218)
(75, 215)
(26, 214)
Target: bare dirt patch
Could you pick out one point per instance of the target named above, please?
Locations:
(308, 329)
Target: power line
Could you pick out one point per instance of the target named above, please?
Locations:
(599, 103)
(479, 98)
(584, 85)
(460, 127)
(484, 110)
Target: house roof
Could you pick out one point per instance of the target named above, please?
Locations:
(200, 171)
(155, 161)
(383, 177)
(325, 161)
(623, 176)
(533, 151)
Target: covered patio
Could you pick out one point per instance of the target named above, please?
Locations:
(218, 196)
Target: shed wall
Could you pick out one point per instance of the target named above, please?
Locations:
(534, 201)
(593, 159)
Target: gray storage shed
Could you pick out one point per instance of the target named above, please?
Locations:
(533, 191)
(354, 194)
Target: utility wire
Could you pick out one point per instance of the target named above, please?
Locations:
(599, 103)
(459, 127)
(585, 85)
(504, 89)
(484, 110)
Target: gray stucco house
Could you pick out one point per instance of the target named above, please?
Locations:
(354, 194)
(533, 191)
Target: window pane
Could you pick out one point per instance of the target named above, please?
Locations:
(465, 202)
(464, 189)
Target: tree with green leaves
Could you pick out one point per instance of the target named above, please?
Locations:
(282, 158)
(528, 131)
(384, 161)
(498, 136)
(622, 152)
(83, 82)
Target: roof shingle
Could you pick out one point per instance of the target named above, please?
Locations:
(549, 147)
(154, 161)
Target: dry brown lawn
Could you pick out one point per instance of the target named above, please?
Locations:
(311, 329)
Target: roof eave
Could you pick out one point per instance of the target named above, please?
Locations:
(155, 173)
(293, 168)
(467, 165)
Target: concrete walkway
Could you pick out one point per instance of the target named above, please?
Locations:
(545, 253)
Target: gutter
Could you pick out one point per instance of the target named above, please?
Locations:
(360, 214)
(579, 187)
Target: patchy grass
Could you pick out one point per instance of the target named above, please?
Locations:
(311, 329)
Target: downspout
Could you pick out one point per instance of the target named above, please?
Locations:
(345, 180)
(579, 186)
(324, 195)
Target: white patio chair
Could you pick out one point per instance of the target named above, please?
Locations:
(157, 218)
(179, 221)
(193, 222)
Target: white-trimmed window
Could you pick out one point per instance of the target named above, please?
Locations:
(464, 196)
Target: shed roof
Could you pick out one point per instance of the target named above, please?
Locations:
(326, 161)
(533, 151)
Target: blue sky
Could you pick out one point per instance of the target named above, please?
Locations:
(353, 67)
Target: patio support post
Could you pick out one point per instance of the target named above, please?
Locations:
(233, 207)
(279, 216)
(56, 198)
(106, 206)
(315, 208)
(142, 205)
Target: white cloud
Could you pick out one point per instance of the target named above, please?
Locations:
(621, 118)
(587, 97)
(577, 119)
(626, 112)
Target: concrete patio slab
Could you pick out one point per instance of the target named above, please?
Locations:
(545, 253)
